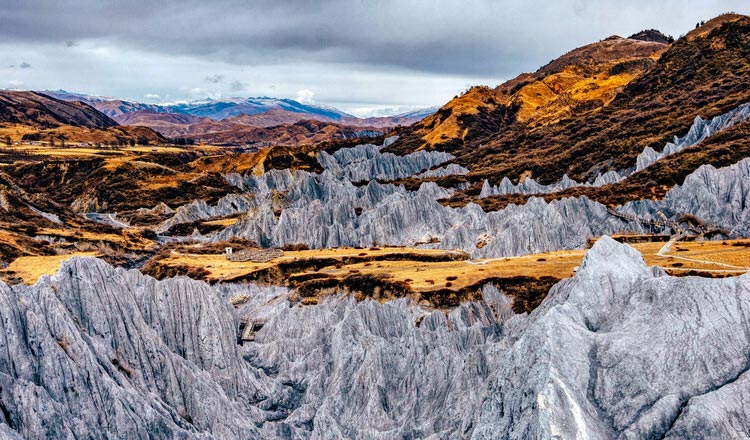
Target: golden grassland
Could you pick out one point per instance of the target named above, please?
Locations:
(545, 100)
(553, 97)
(732, 258)
(31, 268)
(715, 258)
(76, 150)
(220, 268)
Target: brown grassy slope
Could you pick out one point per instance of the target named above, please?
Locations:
(36, 109)
(301, 132)
(35, 116)
(721, 150)
(583, 79)
(706, 73)
(119, 135)
(119, 184)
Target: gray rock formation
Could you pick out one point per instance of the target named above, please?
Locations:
(54, 218)
(698, 132)
(228, 205)
(619, 350)
(718, 197)
(322, 210)
(326, 212)
(365, 162)
(448, 170)
(107, 218)
(528, 186)
(98, 352)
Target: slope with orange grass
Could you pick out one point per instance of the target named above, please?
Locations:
(588, 77)
(594, 109)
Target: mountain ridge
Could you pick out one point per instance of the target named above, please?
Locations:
(223, 108)
(704, 73)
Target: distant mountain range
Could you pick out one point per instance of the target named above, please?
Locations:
(220, 109)
(214, 119)
(216, 109)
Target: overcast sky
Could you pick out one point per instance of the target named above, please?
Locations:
(365, 57)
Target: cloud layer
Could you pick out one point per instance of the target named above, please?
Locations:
(310, 45)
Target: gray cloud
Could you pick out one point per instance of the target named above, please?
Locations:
(24, 65)
(473, 37)
(237, 86)
(308, 43)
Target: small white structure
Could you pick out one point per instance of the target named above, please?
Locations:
(228, 252)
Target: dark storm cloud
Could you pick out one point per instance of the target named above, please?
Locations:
(471, 37)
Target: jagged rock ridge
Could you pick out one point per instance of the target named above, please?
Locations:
(365, 162)
(698, 132)
(718, 197)
(321, 210)
(619, 350)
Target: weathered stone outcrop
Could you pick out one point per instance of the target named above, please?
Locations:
(528, 186)
(698, 132)
(717, 196)
(366, 162)
(619, 350)
(326, 212)
(451, 169)
(97, 352)
(228, 205)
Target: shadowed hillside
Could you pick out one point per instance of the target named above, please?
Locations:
(32, 108)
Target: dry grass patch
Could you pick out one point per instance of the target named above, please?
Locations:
(30, 268)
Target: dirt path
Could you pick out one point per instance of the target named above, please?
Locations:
(664, 253)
